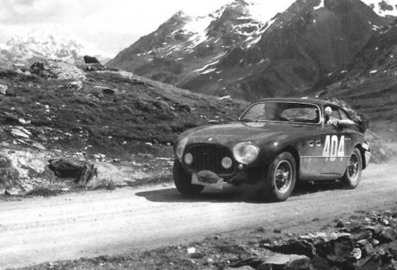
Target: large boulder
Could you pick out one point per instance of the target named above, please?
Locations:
(91, 60)
(81, 171)
(57, 70)
(9, 176)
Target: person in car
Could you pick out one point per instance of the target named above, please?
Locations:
(330, 119)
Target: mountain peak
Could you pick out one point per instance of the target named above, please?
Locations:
(384, 8)
(48, 43)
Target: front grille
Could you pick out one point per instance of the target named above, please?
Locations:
(209, 157)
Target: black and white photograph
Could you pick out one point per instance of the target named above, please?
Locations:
(210, 135)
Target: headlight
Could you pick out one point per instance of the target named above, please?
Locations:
(180, 148)
(245, 152)
(188, 159)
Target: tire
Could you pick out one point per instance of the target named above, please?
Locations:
(183, 183)
(281, 177)
(354, 168)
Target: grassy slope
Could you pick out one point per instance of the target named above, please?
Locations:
(139, 111)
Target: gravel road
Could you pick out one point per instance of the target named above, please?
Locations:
(89, 224)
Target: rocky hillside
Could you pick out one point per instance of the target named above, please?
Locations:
(55, 104)
(369, 82)
(92, 123)
(236, 51)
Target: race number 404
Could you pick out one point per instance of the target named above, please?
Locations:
(334, 148)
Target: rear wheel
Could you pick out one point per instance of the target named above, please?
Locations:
(281, 177)
(183, 183)
(354, 168)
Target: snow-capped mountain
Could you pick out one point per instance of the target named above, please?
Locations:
(42, 44)
(383, 8)
(369, 82)
(242, 50)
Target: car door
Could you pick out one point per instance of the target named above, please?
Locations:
(311, 154)
(347, 133)
(335, 140)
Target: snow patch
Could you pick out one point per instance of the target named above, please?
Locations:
(208, 71)
(321, 5)
(378, 7)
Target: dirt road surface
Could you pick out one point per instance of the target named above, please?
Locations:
(89, 224)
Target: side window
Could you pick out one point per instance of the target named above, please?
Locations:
(335, 112)
(343, 115)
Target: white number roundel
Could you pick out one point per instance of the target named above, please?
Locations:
(333, 149)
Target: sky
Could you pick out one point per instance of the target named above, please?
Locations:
(110, 24)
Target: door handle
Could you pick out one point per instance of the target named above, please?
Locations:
(318, 143)
(311, 143)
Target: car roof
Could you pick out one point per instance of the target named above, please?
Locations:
(316, 101)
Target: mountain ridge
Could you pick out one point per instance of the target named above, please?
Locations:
(234, 57)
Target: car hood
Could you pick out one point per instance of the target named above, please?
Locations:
(229, 134)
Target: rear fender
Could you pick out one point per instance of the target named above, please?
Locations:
(365, 154)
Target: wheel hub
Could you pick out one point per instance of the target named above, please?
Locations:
(353, 166)
(283, 176)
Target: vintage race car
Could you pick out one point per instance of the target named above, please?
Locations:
(275, 143)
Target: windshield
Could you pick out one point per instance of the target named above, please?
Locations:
(282, 111)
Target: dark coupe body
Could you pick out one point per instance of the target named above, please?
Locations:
(275, 143)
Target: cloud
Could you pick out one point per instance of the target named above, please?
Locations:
(17, 12)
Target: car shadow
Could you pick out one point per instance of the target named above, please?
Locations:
(248, 194)
(231, 195)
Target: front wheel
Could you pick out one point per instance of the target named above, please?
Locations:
(183, 183)
(281, 177)
(354, 168)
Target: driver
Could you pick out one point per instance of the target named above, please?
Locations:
(330, 119)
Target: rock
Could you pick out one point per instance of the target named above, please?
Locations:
(9, 175)
(388, 234)
(3, 89)
(24, 122)
(293, 261)
(90, 60)
(183, 107)
(320, 263)
(79, 170)
(191, 250)
(21, 132)
(340, 223)
(57, 70)
(245, 267)
(106, 90)
(300, 247)
(109, 91)
(77, 85)
(365, 246)
(357, 253)
(339, 251)
(97, 67)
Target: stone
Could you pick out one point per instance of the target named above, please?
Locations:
(9, 176)
(90, 60)
(341, 251)
(57, 70)
(109, 91)
(21, 132)
(81, 171)
(300, 247)
(245, 267)
(365, 246)
(388, 234)
(292, 261)
(3, 89)
(357, 253)
(76, 85)
(320, 263)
